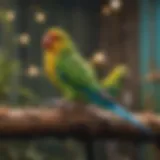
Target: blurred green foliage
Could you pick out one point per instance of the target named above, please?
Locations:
(30, 150)
(50, 149)
(10, 85)
(9, 68)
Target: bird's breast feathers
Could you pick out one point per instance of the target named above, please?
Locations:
(50, 66)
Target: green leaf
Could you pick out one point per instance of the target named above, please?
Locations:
(27, 93)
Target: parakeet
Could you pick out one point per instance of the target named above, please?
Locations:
(114, 81)
(71, 73)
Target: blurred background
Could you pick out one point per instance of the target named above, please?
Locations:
(107, 32)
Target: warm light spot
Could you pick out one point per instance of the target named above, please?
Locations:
(11, 15)
(106, 10)
(33, 71)
(99, 58)
(115, 4)
(24, 39)
(40, 17)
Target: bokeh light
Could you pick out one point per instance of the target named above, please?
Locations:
(10, 15)
(99, 58)
(24, 39)
(40, 17)
(33, 71)
(115, 4)
(106, 10)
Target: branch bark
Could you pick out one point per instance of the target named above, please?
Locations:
(79, 122)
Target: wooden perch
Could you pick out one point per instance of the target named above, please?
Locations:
(79, 122)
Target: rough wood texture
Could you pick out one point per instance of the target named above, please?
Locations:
(84, 123)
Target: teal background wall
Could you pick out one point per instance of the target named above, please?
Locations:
(149, 47)
(149, 52)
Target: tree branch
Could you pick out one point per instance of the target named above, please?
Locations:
(79, 122)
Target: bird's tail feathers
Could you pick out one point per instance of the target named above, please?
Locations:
(118, 110)
(106, 101)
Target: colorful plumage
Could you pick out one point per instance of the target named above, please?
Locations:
(75, 78)
(114, 81)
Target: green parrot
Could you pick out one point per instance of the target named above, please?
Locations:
(75, 77)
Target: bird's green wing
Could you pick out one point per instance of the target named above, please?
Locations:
(73, 70)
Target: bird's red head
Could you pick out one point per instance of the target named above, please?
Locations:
(55, 40)
(48, 40)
